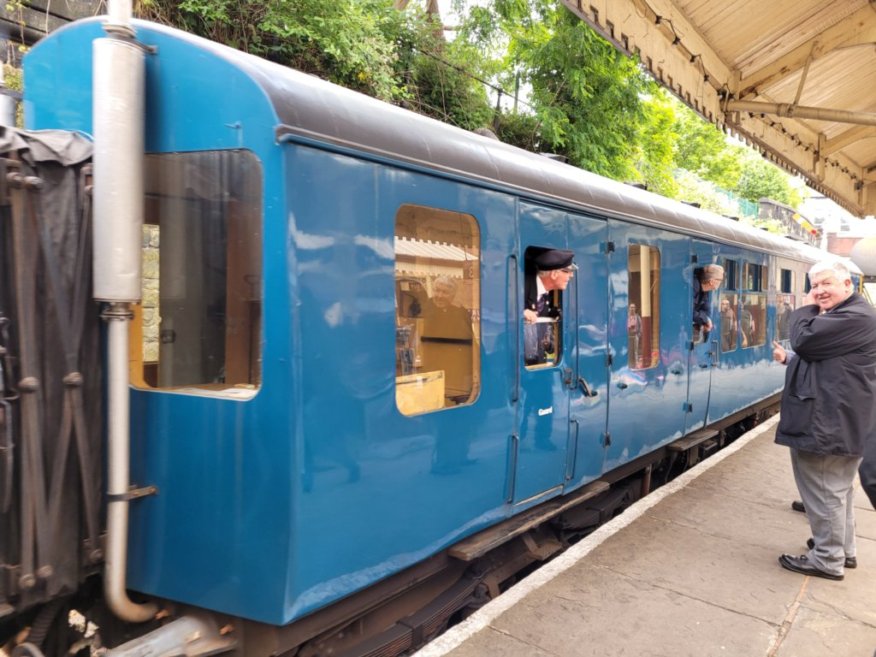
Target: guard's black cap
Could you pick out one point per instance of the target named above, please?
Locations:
(554, 259)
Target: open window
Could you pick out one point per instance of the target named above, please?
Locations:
(643, 307)
(437, 303)
(198, 327)
(543, 337)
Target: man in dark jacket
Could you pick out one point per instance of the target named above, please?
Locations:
(705, 280)
(828, 412)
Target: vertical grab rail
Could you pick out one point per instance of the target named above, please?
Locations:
(514, 315)
(574, 324)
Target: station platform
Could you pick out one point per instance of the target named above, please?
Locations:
(690, 570)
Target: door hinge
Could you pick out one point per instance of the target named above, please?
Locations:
(609, 247)
(687, 407)
(694, 258)
(609, 359)
(606, 439)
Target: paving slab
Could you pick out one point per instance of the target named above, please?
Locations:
(690, 570)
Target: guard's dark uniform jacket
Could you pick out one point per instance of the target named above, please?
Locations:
(829, 402)
(531, 300)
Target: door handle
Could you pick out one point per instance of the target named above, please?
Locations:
(622, 385)
(585, 388)
(676, 370)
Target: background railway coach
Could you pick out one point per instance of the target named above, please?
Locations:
(336, 441)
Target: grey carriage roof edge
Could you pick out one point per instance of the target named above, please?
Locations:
(315, 109)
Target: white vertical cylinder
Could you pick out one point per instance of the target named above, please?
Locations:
(119, 12)
(119, 80)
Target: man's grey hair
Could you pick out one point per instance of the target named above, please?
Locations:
(445, 281)
(837, 267)
(711, 272)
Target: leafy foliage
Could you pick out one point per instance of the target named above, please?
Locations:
(350, 42)
(658, 159)
(580, 97)
(761, 179)
(584, 94)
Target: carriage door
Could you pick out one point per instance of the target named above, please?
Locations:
(704, 351)
(543, 451)
(647, 389)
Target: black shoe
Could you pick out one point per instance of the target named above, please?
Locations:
(851, 562)
(801, 565)
(797, 505)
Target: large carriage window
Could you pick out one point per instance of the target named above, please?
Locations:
(729, 322)
(752, 320)
(784, 304)
(643, 307)
(197, 329)
(784, 307)
(437, 309)
(752, 310)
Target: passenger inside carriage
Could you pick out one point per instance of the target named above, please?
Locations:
(447, 339)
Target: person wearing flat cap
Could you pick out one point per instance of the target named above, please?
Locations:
(553, 269)
(706, 279)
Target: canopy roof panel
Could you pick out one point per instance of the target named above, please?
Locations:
(794, 78)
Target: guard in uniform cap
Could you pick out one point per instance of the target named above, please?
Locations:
(553, 269)
(552, 259)
(548, 271)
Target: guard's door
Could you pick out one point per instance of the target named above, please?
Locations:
(704, 344)
(539, 454)
(550, 451)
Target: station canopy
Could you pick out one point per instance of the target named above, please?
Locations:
(794, 78)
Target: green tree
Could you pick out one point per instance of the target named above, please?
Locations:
(440, 87)
(350, 42)
(585, 96)
(761, 179)
(657, 162)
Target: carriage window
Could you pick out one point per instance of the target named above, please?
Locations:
(548, 271)
(731, 275)
(437, 309)
(752, 320)
(753, 276)
(786, 281)
(198, 326)
(643, 307)
(729, 322)
(784, 307)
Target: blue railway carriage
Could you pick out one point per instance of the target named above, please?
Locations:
(346, 434)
